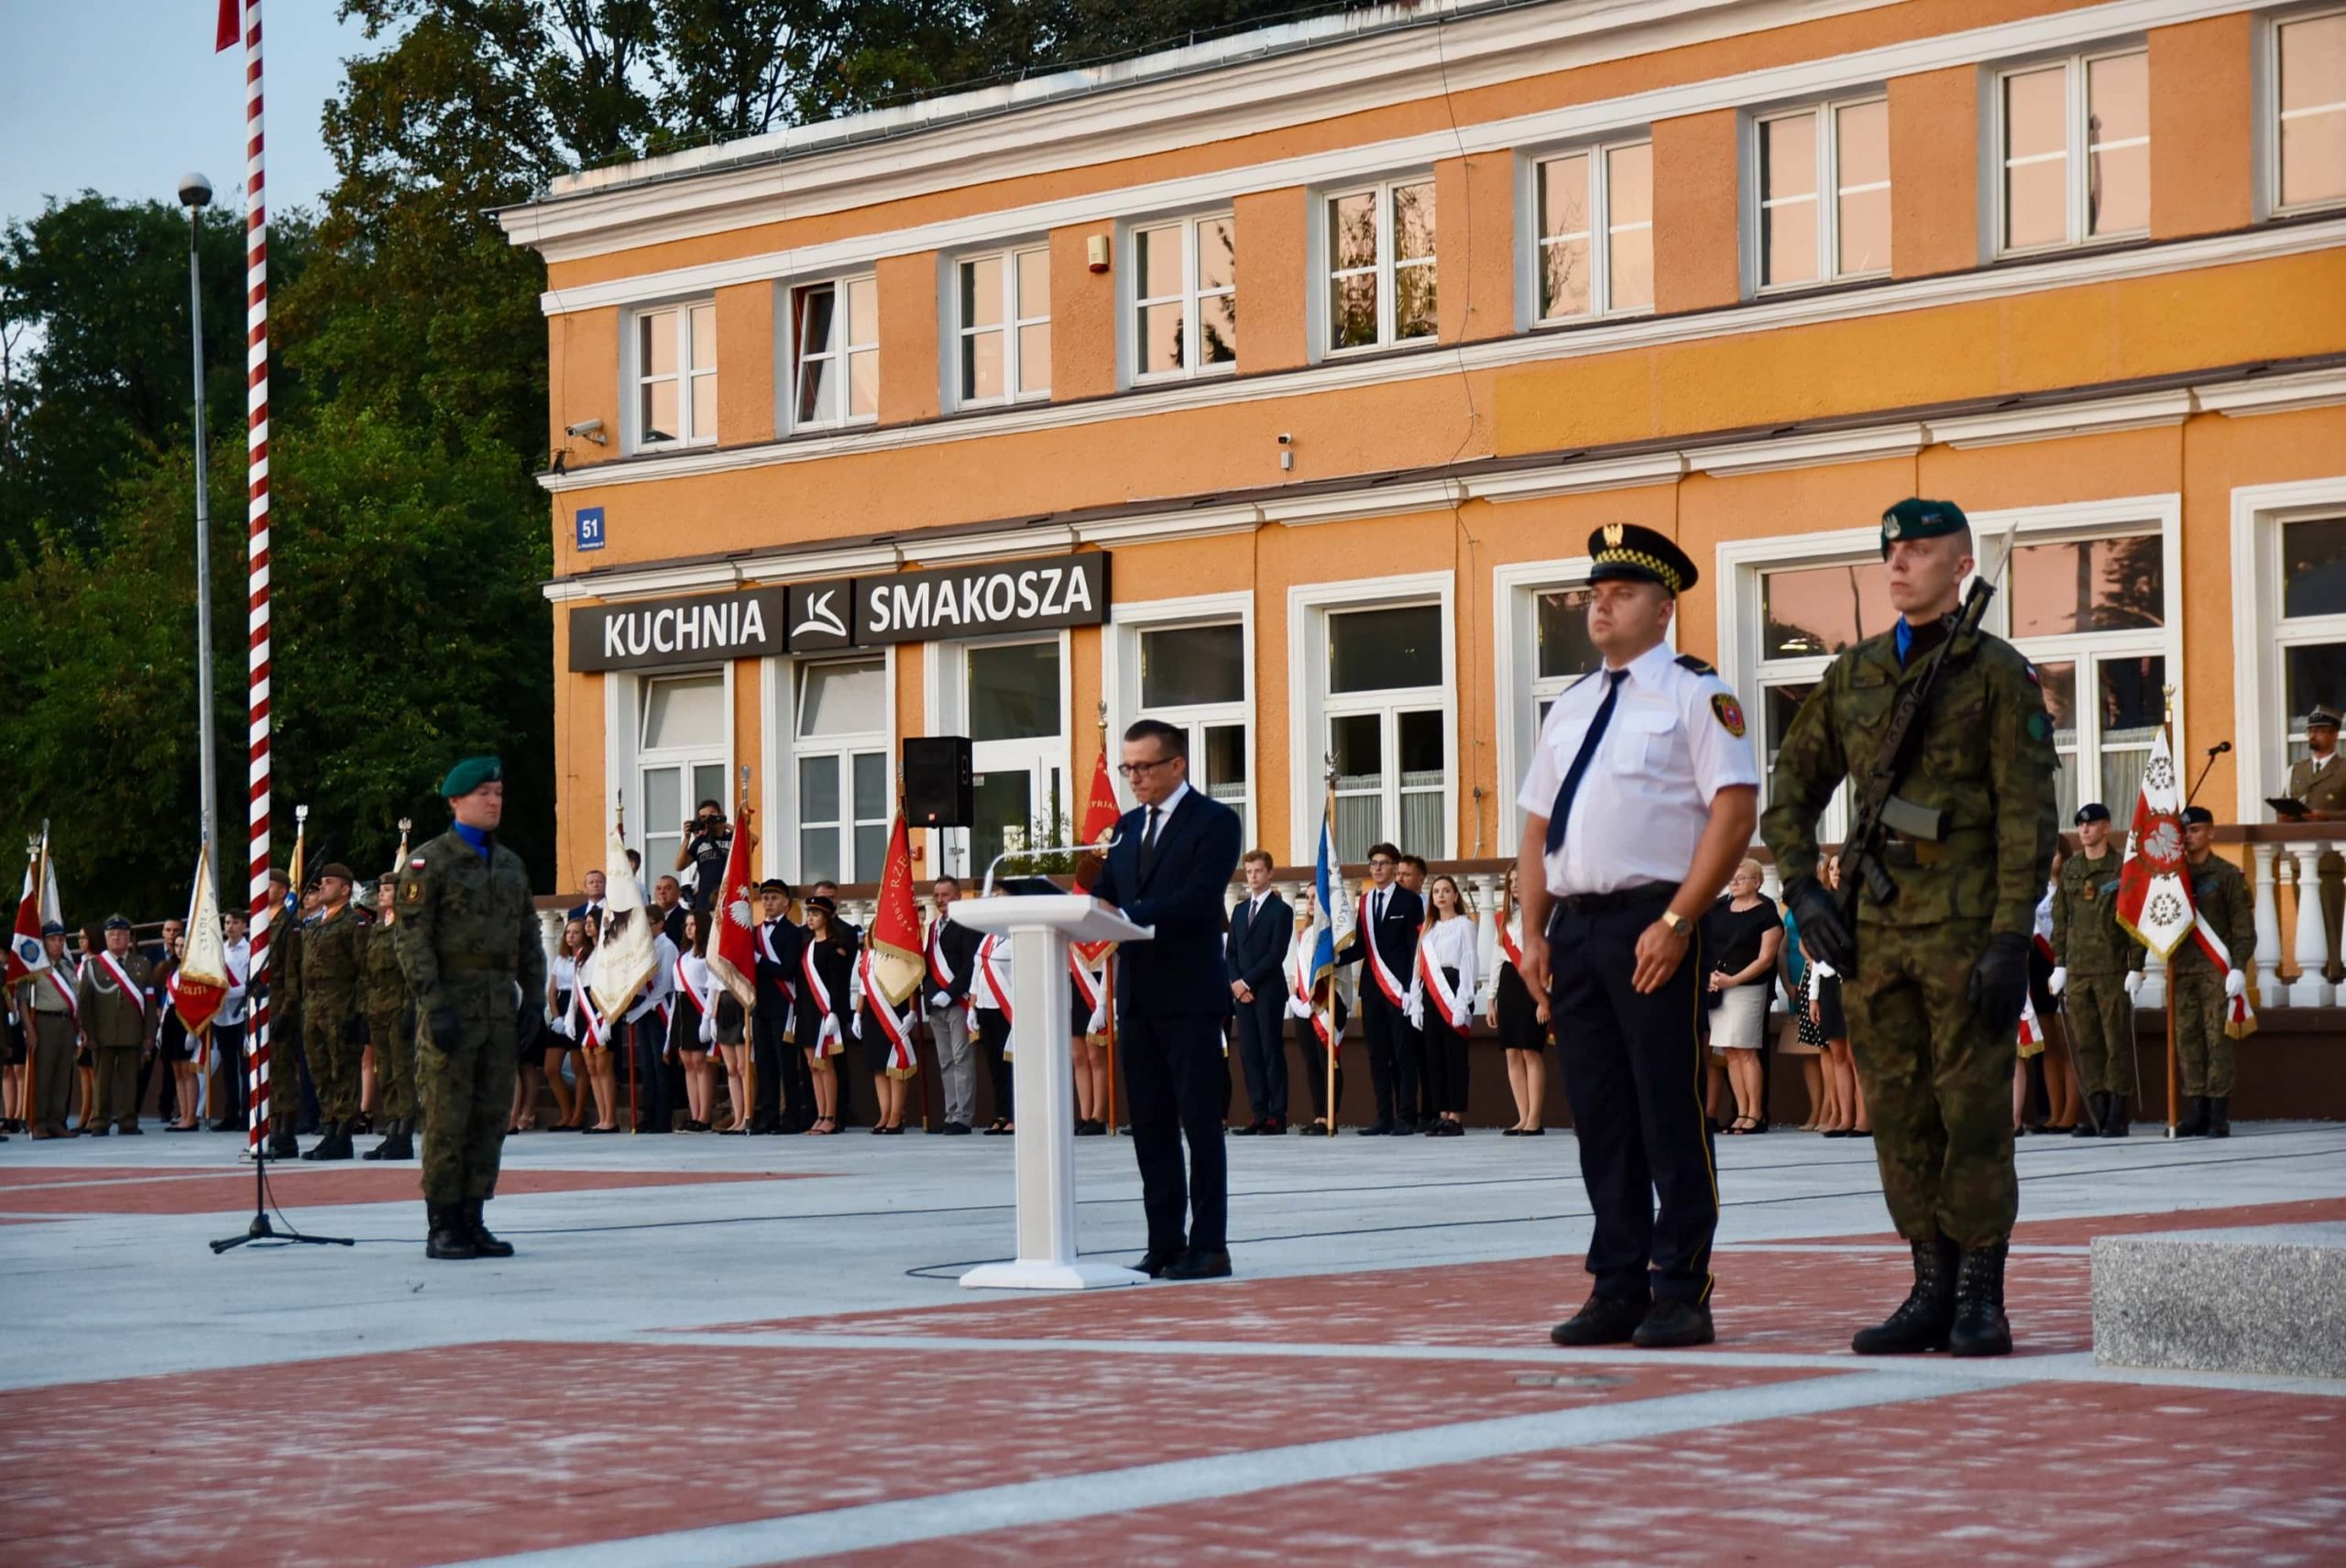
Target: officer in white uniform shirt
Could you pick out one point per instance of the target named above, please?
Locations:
(1641, 800)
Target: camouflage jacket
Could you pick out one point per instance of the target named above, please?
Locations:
(2221, 893)
(1986, 759)
(466, 928)
(383, 992)
(330, 973)
(2086, 937)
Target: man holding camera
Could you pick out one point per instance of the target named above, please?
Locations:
(708, 843)
(467, 933)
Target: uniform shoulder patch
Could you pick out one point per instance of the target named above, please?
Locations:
(2040, 726)
(1689, 662)
(1729, 712)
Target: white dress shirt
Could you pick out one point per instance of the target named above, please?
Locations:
(1447, 944)
(1646, 797)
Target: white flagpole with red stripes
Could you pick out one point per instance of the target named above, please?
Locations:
(256, 660)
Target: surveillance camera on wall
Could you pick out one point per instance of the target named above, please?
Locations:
(587, 429)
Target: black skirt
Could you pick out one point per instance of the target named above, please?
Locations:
(1835, 1024)
(1520, 1026)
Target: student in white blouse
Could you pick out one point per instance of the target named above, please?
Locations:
(1441, 1001)
(229, 1024)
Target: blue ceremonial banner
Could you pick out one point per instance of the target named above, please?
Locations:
(1331, 924)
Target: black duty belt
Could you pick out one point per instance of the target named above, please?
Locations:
(476, 962)
(1638, 897)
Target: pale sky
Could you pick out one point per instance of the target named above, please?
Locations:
(123, 96)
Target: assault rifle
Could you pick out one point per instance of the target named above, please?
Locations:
(1879, 807)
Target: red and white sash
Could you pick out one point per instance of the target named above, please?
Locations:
(1091, 982)
(1512, 944)
(1386, 981)
(121, 979)
(1438, 985)
(2240, 1018)
(990, 976)
(594, 1025)
(65, 992)
(897, 1026)
(827, 1035)
(940, 968)
(1299, 985)
(684, 985)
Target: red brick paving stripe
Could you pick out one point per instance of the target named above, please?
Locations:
(116, 1190)
(421, 1457)
(2076, 1231)
(2065, 1473)
(1805, 1303)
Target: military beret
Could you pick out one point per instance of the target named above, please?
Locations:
(1625, 550)
(2092, 811)
(117, 923)
(470, 774)
(53, 929)
(1914, 518)
(2322, 714)
(2199, 816)
(335, 869)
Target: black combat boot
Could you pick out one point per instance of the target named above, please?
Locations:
(1979, 1326)
(2195, 1118)
(395, 1144)
(2114, 1121)
(1923, 1320)
(282, 1144)
(390, 1131)
(333, 1143)
(2096, 1118)
(449, 1237)
(484, 1244)
(2220, 1116)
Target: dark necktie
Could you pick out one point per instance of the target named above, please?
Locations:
(1149, 843)
(1581, 759)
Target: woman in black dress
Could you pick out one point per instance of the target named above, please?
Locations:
(1520, 1016)
(1740, 935)
(826, 972)
(173, 1049)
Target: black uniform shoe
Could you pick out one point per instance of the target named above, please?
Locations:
(1153, 1262)
(1197, 1264)
(1274, 1128)
(1375, 1130)
(1405, 1126)
(1250, 1129)
(484, 1244)
(89, 1131)
(1674, 1326)
(225, 1125)
(2097, 1124)
(954, 1129)
(1979, 1326)
(333, 1145)
(2114, 1120)
(284, 1144)
(1602, 1320)
(131, 1129)
(2195, 1118)
(1923, 1320)
(2220, 1116)
(448, 1236)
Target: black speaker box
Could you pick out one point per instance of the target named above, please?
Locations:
(937, 781)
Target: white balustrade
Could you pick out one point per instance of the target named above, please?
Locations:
(2267, 971)
(2312, 950)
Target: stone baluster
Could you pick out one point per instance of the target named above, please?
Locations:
(2266, 973)
(1485, 894)
(549, 925)
(1771, 881)
(2312, 987)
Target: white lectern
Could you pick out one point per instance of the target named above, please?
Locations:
(1043, 1081)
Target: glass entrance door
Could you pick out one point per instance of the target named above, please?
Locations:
(1018, 750)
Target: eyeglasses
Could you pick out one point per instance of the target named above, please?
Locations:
(1134, 770)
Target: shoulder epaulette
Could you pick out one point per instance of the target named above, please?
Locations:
(1689, 662)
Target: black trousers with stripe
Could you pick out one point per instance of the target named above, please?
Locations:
(1633, 1073)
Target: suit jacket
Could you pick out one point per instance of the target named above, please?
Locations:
(1182, 972)
(778, 976)
(1396, 936)
(1258, 943)
(593, 911)
(671, 924)
(959, 945)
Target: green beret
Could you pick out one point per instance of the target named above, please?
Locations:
(470, 774)
(1914, 518)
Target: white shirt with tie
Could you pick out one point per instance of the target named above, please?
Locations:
(1164, 810)
(1676, 740)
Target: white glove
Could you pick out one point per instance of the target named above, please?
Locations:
(1099, 1019)
(1417, 1014)
(708, 1027)
(1298, 1009)
(2235, 982)
(2059, 982)
(943, 999)
(1462, 1019)
(2133, 980)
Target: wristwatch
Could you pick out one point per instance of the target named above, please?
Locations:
(1678, 924)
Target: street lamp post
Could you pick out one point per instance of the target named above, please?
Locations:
(195, 194)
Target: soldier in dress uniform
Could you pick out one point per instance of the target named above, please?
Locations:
(467, 938)
(112, 994)
(391, 1026)
(2318, 779)
(2091, 956)
(2203, 988)
(1936, 976)
(334, 1030)
(1639, 801)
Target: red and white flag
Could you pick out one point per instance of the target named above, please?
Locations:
(733, 952)
(898, 965)
(2153, 883)
(200, 984)
(1100, 816)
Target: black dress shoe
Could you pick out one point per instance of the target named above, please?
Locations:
(954, 1129)
(1672, 1325)
(1375, 1130)
(1404, 1127)
(1196, 1263)
(1153, 1262)
(1250, 1129)
(1602, 1320)
(1534, 1133)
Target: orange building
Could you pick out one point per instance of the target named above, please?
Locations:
(1273, 385)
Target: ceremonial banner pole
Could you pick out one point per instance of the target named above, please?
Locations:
(742, 1114)
(256, 554)
(2166, 723)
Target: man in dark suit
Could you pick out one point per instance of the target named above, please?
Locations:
(1168, 868)
(1260, 928)
(785, 1101)
(591, 911)
(1386, 951)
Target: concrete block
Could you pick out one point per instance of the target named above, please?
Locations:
(2264, 1299)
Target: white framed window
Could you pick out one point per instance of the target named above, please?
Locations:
(1379, 265)
(1820, 179)
(1374, 712)
(2072, 140)
(683, 740)
(1011, 696)
(2288, 551)
(1191, 663)
(673, 366)
(1002, 327)
(2304, 133)
(835, 346)
(1593, 226)
(840, 757)
(1183, 317)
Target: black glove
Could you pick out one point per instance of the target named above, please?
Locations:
(2000, 981)
(1822, 930)
(447, 1028)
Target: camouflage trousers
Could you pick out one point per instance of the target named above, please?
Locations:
(333, 1067)
(1937, 1082)
(2101, 1026)
(394, 1064)
(466, 1087)
(2202, 1047)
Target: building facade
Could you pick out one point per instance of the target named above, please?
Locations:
(1274, 385)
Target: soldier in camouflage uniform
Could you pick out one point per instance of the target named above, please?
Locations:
(469, 942)
(284, 1018)
(1934, 979)
(2220, 893)
(391, 1026)
(334, 1035)
(2091, 955)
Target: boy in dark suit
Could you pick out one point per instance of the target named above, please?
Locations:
(1169, 867)
(1259, 929)
(1386, 951)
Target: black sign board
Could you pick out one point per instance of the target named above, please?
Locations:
(1036, 595)
(703, 629)
(819, 614)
